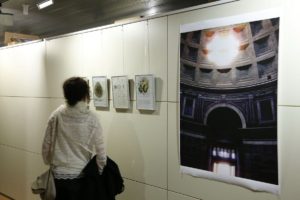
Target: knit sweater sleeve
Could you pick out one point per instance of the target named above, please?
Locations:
(48, 140)
(99, 146)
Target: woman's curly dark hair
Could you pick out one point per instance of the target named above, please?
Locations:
(75, 90)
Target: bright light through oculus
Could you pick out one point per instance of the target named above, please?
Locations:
(223, 48)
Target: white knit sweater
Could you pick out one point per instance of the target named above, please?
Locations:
(78, 137)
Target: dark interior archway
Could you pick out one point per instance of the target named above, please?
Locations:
(223, 123)
(223, 138)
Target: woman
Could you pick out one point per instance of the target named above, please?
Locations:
(78, 136)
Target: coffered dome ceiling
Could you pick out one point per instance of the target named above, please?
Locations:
(234, 56)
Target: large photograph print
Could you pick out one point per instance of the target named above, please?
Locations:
(228, 100)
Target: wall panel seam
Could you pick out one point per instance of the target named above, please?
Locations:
(144, 183)
(291, 106)
(167, 107)
(19, 149)
(29, 97)
(185, 195)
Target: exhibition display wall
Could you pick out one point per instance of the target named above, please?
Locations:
(145, 144)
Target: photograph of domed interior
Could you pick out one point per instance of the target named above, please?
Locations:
(228, 100)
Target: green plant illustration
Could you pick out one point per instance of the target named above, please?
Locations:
(143, 86)
(98, 90)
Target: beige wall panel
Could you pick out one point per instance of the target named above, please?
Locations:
(22, 70)
(93, 54)
(198, 187)
(289, 71)
(138, 143)
(139, 191)
(64, 59)
(112, 53)
(158, 65)
(112, 40)
(18, 170)
(176, 196)
(288, 134)
(214, 12)
(136, 53)
(23, 121)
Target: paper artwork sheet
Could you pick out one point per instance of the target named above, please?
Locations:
(120, 90)
(100, 91)
(228, 100)
(145, 92)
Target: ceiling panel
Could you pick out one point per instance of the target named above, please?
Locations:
(66, 16)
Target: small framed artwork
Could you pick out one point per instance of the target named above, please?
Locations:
(120, 90)
(145, 92)
(100, 91)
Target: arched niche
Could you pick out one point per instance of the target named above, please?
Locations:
(229, 106)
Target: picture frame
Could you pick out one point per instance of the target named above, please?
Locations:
(222, 100)
(100, 91)
(120, 91)
(145, 92)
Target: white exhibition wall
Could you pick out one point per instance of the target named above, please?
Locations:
(144, 144)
